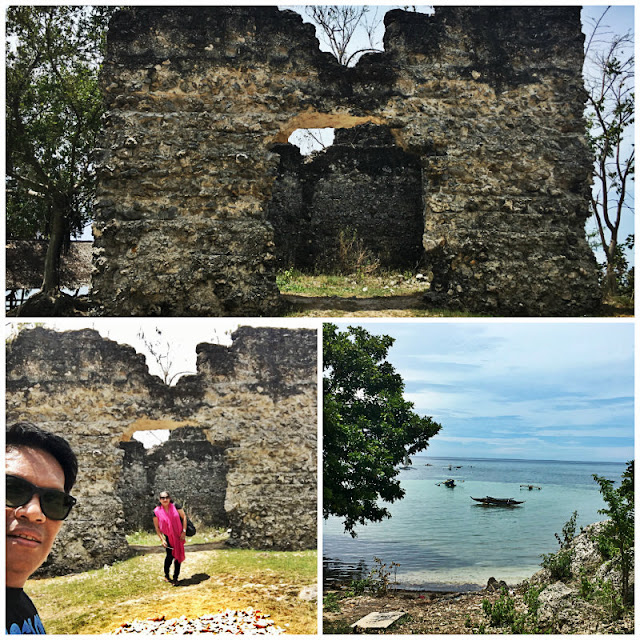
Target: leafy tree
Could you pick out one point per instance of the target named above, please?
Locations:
(368, 427)
(619, 529)
(610, 116)
(53, 112)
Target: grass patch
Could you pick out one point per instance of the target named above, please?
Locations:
(203, 536)
(387, 313)
(385, 284)
(97, 602)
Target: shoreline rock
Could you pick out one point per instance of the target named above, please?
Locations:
(562, 608)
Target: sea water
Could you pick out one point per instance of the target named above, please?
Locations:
(442, 539)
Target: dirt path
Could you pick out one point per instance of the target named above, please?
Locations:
(353, 304)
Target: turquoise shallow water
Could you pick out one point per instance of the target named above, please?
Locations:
(443, 539)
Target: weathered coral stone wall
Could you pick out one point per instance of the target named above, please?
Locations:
(363, 194)
(490, 99)
(256, 399)
(187, 465)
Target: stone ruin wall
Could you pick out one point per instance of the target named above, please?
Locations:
(489, 99)
(255, 399)
(187, 465)
(360, 195)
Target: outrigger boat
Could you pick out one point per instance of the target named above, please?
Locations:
(498, 502)
(448, 483)
(531, 487)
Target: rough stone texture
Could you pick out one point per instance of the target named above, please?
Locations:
(490, 99)
(187, 465)
(360, 195)
(562, 608)
(255, 399)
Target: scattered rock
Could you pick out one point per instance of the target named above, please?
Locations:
(229, 621)
(494, 585)
(309, 593)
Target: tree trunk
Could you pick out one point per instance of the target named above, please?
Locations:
(51, 278)
(610, 279)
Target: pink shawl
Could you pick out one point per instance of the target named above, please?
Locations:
(170, 523)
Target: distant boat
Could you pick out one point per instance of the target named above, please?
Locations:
(406, 463)
(498, 502)
(451, 483)
(531, 487)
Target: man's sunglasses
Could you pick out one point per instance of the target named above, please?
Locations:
(55, 504)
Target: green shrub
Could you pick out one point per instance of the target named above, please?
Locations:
(331, 602)
(587, 588)
(531, 599)
(568, 532)
(617, 536)
(359, 587)
(558, 564)
(502, 612)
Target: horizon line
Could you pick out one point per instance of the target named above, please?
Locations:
(524, 459)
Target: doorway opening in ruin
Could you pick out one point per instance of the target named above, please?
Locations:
(188, 466)
(348, 215)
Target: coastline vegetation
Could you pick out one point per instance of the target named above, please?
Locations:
(584, 587)
(610, 593)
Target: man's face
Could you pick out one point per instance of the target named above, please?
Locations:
(30, 534)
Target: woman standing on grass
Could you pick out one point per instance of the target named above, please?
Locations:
(170, 522)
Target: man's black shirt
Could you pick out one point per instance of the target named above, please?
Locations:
(22, 616)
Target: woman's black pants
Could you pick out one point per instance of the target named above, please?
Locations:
(167, 564)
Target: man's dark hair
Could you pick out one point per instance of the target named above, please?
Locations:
(26, 434)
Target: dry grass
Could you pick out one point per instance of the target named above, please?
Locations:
(97, 602)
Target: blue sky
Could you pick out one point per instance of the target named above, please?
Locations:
(543, 390)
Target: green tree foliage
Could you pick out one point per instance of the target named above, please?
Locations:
(619, 529)
(53, 112)
(368, 426)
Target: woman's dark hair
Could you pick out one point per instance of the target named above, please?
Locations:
(26, 434)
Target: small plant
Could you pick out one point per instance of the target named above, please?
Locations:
(285, 277)
(359, 587)
(606, 594)
(353, 257)
(502, 612)
(587, 588)
(558, 564)
(568, 532)
(531, 599)
(331, 602)
(380, 577)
